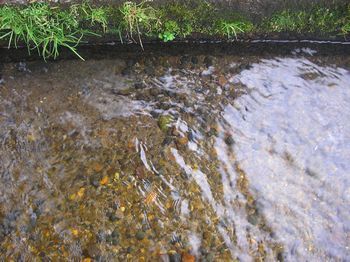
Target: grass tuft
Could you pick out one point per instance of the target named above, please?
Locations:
(346, 28)
(138, 18)
(346, 23)
(40, 27)
(319, 20)
(234, 28)
(288, 21)
(95, 15)
(169, 31)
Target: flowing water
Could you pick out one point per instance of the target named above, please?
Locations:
(167, 157)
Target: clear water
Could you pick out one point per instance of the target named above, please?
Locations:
(213, 158)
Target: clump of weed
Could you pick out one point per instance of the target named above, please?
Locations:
(182, 16)
(138, 18)
(324, 20)
(169, 31)
(346, 28)
(233, 28)
(12, 25)
(95, 15)
(40, 27)
(321, 20)
(346, 23)
(193, 17)
(287, 21)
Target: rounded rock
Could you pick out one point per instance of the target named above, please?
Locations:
(140, 235)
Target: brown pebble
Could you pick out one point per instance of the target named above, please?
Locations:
(222, 80)
(188, 258)
(182, 141)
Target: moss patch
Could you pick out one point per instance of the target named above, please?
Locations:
(319, 20)
(46, 29)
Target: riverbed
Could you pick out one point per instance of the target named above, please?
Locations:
(197, 156)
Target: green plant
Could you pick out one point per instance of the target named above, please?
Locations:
(288, 21)
(323, 20)
(182, 15)
(41, 27)
(170, 31)
(96, 15)
(233, 28)
(138, 18)
(346, 28)
(12, 26)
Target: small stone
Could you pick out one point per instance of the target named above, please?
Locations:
(229, 140)
(81, 192)
(188, 258)
(213, 132)
(109, 239)
(101, 236)
(155, 114)
(206, 235)
(95, 180)
(115, 233)
(190, 136)
(140, 85)
(167, 141)
(115, 241)
(116, 176)
(208, 61)
(253, 219)
(74, 232)
(104, 181)
(112, 217)
(154, 91)
(182, 141)
(175, 257)
(140, 235)
(245, 66)
(72, 197)
(222, 81)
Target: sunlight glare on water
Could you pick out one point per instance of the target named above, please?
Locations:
(292, 141)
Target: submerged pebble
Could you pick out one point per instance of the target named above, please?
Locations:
(175, 257)
(229, 140)
(95, 180)
(140, 235)
(208, 61)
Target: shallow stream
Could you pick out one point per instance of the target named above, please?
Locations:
(206, 157)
